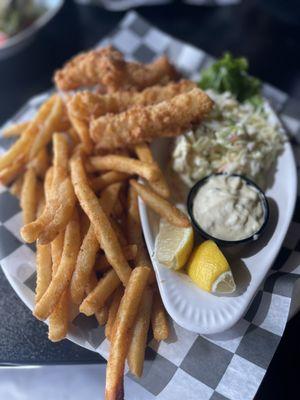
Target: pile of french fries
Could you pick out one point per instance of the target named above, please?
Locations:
(81, 209)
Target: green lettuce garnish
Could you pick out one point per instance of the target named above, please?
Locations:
(230, 74)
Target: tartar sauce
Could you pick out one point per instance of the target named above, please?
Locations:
(228, 208)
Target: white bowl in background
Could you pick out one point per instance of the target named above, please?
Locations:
(16, 42)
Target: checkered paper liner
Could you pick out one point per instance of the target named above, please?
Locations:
(230, 365)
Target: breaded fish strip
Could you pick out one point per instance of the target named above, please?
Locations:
(86, 105)
(85, 68)
(107, 67)
(139, 76)
(139, 123)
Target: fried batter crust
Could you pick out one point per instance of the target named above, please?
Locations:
(106, 66)
(86, 105)
(145, 123)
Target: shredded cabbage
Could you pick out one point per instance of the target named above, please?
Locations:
(235, 138)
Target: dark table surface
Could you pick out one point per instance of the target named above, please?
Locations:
(272, 46)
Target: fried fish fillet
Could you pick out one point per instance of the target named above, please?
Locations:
(86, 105)
(144, 123)
(106, 66)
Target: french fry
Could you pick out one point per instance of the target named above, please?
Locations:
(84, 266)
(159, 320)
(102, 226)
(136, 353)
(15, 129)
(135, 235)
(102, 314)
(38, 223)
(109, 197)
(54, 218)
(62, 277)
(16, 187)
(8, 174)
(43, 263)
(60, 203)
(30, 230)
(112, 312)
(41, 163)
(142, 257)
(64, 124)
(89, 248)
(102, 264)
(121, 339)
(99, 295)
(51, 125)
(82, 130)
(74, 136)
(43, 270)
(119, 232)
(126, 165)
(160, 186)
(60, 157)
(133, 223)
(57, 246)
(59, 319)
(29, 199)
(104, 180)
(42, 200)
(84, 223)
(48, 183)
(22, 146)
(62, 215)
(143, 152)
(61, 199)
(161, 206)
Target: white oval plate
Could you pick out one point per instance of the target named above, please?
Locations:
(205, 313)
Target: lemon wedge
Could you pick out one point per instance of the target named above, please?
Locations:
(209, 269)
(173, 245)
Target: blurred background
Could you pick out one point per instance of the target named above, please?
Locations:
(36, 37)
(265, 31)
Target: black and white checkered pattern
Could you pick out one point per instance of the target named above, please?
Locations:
(230, 365)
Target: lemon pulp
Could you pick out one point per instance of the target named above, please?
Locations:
(173, 245)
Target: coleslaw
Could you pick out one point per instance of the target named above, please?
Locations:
(235, 138)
